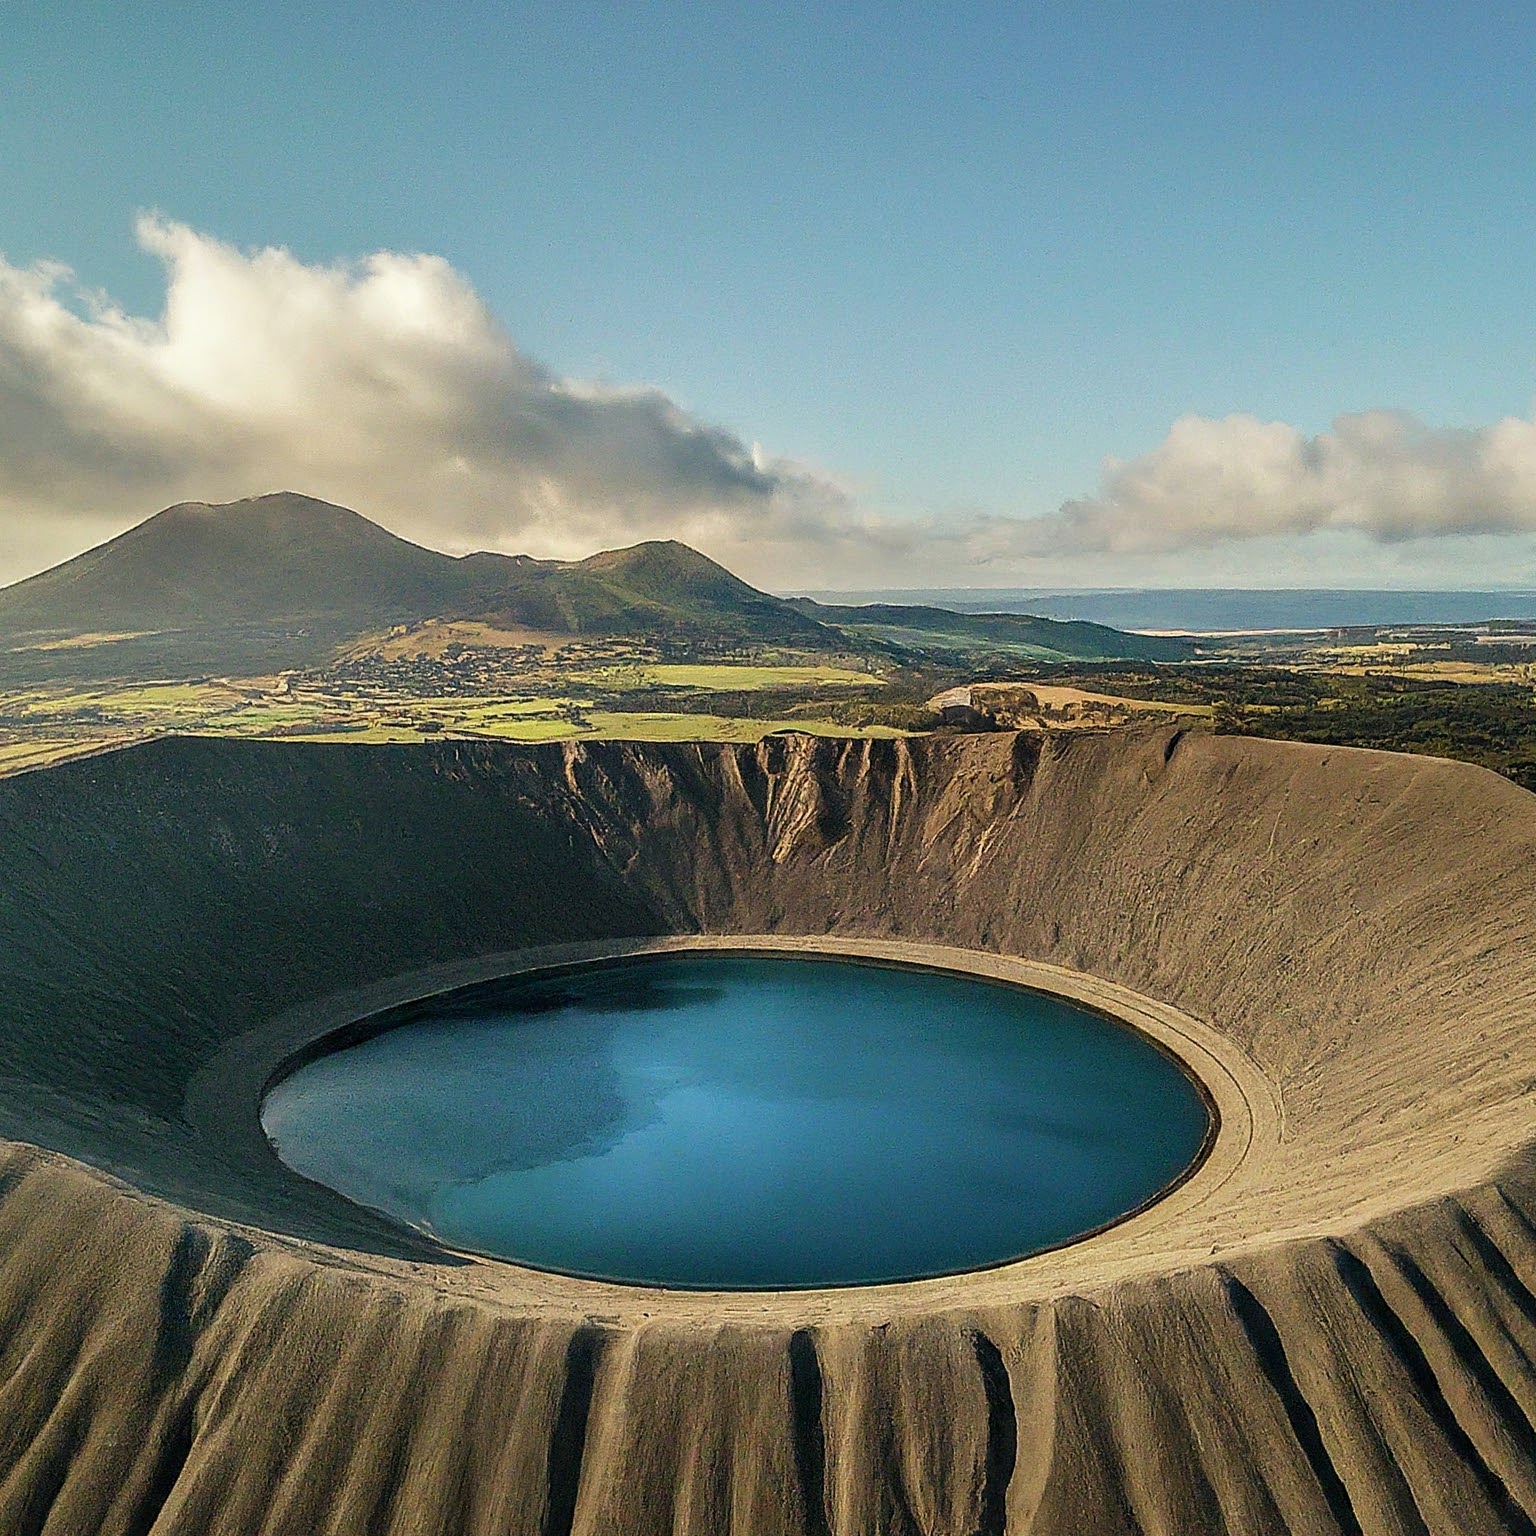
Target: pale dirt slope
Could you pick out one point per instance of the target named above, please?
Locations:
(1332, 1329)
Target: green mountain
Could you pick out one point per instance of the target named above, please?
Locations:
(660, 589)
(286, 581)
(941, 630)
(271, 559)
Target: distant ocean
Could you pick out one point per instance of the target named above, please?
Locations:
(1210, 609)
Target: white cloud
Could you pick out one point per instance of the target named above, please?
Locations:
(387, 385)
(384, 384)
(1381, 474)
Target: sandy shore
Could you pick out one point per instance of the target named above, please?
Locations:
(1328, 1327)
(1245, 1108)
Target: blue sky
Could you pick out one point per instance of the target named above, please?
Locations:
(948, 259)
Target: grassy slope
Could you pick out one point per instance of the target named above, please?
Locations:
(287, 573)
(264, 561)
(942, 629)
(285, 580)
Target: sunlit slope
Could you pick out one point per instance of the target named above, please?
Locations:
(264, 560)
(283, 580)
(928, 629)
(287, 580)
(660, 588)
(285, 557)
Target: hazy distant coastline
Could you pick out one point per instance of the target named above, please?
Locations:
(1208, 610)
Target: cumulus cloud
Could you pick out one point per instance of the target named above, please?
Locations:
(385, 384)
(1383, 475)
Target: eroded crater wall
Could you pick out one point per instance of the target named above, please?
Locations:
(1341, 1341)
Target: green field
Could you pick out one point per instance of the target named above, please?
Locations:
(662, 727)
(39, 752)
(134, 702)
(358, 734)
(725, 677)
(692, 702)
(598, 726)
(524, 727)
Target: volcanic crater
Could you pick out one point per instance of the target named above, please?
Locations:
(1328, 1326)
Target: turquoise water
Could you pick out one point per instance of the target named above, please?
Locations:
(734, 1122)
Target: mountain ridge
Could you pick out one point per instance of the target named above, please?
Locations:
(285, 579)
(926, 625)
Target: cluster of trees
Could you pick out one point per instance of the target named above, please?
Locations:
(1493, 724)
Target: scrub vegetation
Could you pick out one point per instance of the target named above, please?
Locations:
(1489, 722)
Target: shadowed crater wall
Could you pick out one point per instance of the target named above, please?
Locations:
(1332, 1332)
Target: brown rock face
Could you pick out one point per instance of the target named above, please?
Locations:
(1331, 1328)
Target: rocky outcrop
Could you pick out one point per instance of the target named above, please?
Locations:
(1333, 1333)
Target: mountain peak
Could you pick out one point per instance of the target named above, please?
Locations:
(269, 500)
(263, 515)
(291, 562)
(668, 564)
(198, 564)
